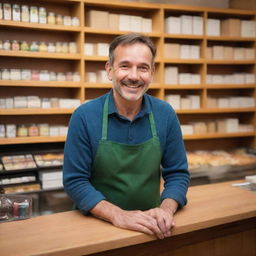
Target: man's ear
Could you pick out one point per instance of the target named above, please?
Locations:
(109, 70)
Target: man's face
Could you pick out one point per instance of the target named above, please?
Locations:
(132, 70)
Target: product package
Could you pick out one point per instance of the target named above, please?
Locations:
(15, 207)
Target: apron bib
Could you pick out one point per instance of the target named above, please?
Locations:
(128, 175)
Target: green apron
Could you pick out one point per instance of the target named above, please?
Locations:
(128, 175)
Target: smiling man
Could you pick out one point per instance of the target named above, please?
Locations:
(120, 144)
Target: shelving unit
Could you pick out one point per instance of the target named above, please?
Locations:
(12, 30)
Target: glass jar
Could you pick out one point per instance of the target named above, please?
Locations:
(53, 76)
(42, 15)
(24, 46)
(51, 18)
(1, 45)
(33, 130)
(43, 129)
(76, 77)
(25, 74)
(5, 74)
(7, 45)
(58, 47)
(24, 13)
(67, 21)
(33, 14)
(64, 48)
(15, 74)
(75, 21)
(51, 47)
(1, 11)
(72, 47)
(22, 131)
(16, 12)
(61, 76)
(69, 76)
(44, 75)
(54, 102)
(59, 19)
(15, 45)
(46, 103)
(43, 47)
(7, 11)
(35, 75)
(34, 47)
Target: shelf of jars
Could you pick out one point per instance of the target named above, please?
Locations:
(36, 111)
(215, 110)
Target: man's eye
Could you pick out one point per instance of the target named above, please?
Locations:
(124, 66)
(143, 68)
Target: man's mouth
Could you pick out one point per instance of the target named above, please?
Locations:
(133, 85)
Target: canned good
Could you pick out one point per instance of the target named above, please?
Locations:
(51, 18)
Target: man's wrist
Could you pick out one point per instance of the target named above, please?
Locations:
(169, 205)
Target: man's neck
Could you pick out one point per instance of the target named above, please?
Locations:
(127, 108)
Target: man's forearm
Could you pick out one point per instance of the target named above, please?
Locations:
(169, 205)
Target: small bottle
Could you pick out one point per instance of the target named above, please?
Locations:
(51, 18)
(42, 15)
(33, 130)
(61, 77)
(7, 45)
(24, 13)
(25, 74)
(15, 45)
(43, 129)
(1, 11)
(67, 21)
(42, 47)
(16, 12)
(69, 76)
(35, 75)
(24, 46)
(34, 47)
(72, 47)
(64, 48)
(7, 11)
(44, 75)
(76, 77)
(22, 131)
(53, 76)
(59, 19)
(33, 14)
(1, 45)
(75, 21)
(5, 74)
(58, 47)
(51, 47)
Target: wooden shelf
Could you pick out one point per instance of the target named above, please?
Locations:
(215, 110)
(184, 61)
(229, 86)
(28, 140)
(36, 111)
(44, 55)
(218, 136)
(230, 62)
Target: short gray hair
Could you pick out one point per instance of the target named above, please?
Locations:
(131, 38)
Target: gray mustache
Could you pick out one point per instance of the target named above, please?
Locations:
(132, 82)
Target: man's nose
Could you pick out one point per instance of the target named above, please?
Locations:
(133, 73)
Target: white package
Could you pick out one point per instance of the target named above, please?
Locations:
(171, 75)
(173, 25)
(186, 24)
(125, 22)
(213, 27)
(173, 100)
(197, 25)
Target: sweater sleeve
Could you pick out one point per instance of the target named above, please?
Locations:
(78, 158)
(174, 164)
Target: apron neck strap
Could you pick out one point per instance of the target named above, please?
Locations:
(105, 121)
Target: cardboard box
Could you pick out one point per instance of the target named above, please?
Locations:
(239, 53)
(146, 25)
(231, 27)
(248, 28)
(249, 53)
(187, 129)
(102, 49)
(208, 53)
(213, 27)
(228, 53)
(194, 52)
(184, 78)
(223, 102)
(125, 22)
(186, 24)
(211, 127)
(113, 20)
(97, 19)
(173, 25)
(171, 75)
(185, 51)
(89, 49)
(218, 52)
(199, 127)
(211, 102)
(173, 100)
(185, 103)
(172, 51)
(197, 25)
(136, 24)
(195, 101)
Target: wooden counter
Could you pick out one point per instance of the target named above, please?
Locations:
(219, 220)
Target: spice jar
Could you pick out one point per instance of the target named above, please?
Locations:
(58, 47)
(61, 77)
(51, 18)
(35, 75)
(16, 12)
(54, 102)
(44, 75)
(76, 77)
(46, 103)
(51, 47)
(15, 74)
(75, 21)
(7, 9)
(64, 48)
(1, 11)
(24, 13)
(72, 47)
(33, 14)
(34, 47)
(33, 130)
(1, 45)
(42, 47)
(24, 46)
(25, 74)
(67, 21)
(59, 19)
(5, 74)
(22, 131)
(15, 45)
(53, 76)
(42, 15)
(69, 76)
(7, 45)
(43, 129)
